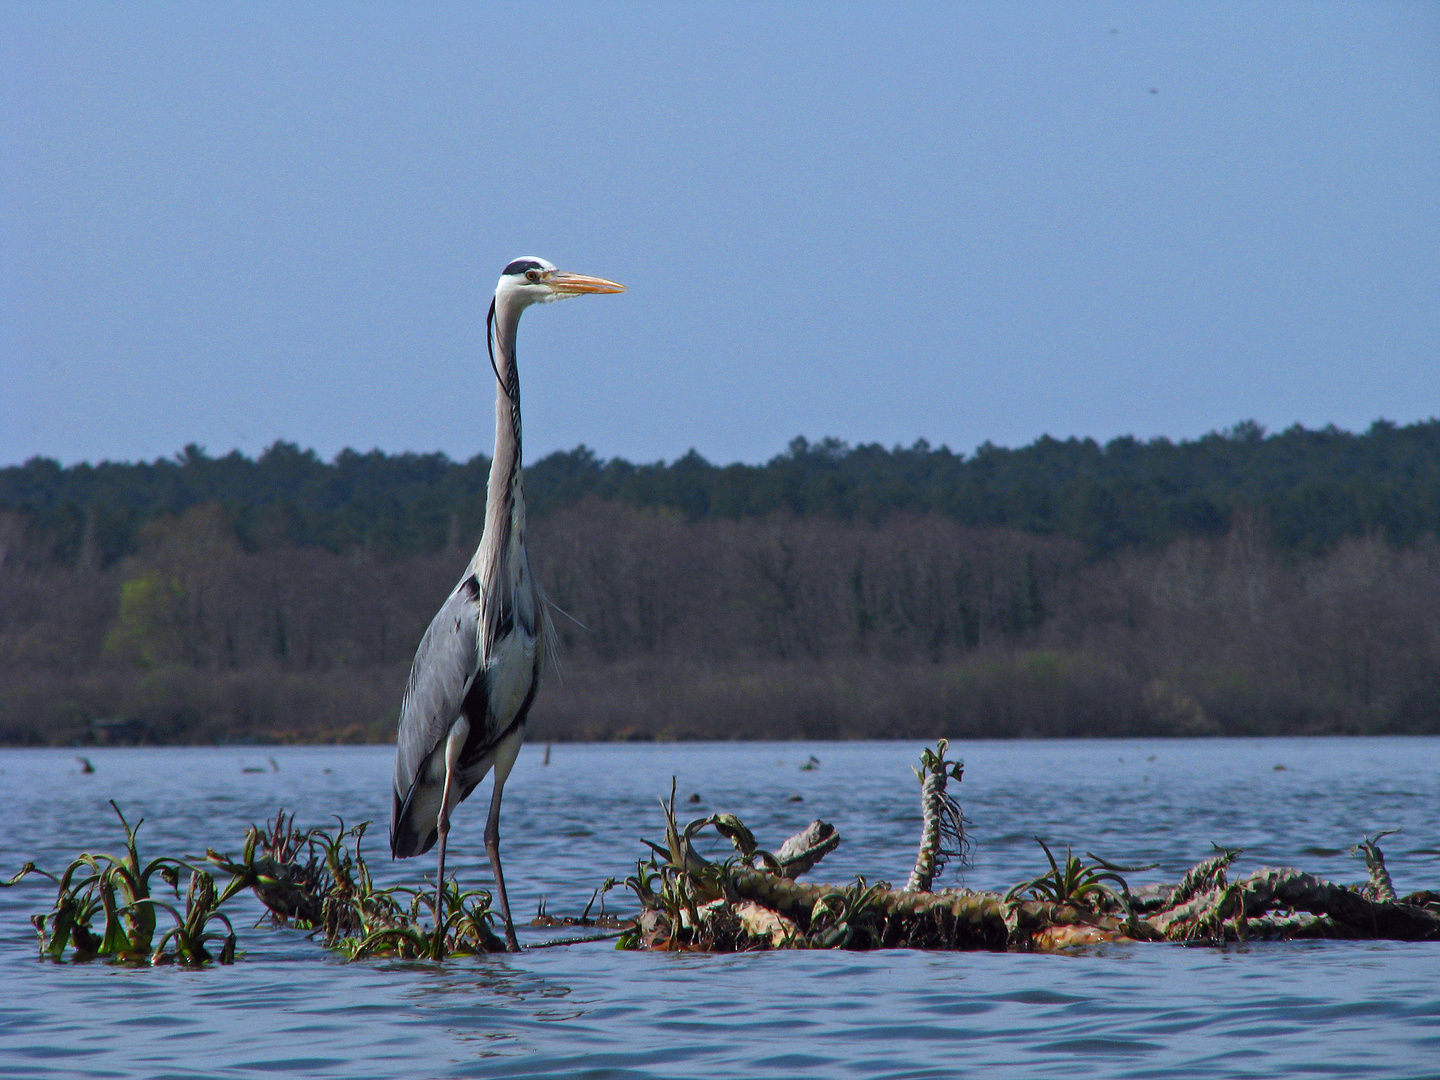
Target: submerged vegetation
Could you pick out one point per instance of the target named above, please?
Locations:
(316, 880)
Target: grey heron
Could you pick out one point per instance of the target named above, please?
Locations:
(478, 666)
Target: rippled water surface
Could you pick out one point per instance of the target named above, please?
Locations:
(1297, 1009)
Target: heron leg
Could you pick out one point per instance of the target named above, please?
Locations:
(443, 825)
(453, 746)
(492, 848)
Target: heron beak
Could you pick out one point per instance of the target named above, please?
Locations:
(575, 284)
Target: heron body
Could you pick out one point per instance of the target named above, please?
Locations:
(478, 666)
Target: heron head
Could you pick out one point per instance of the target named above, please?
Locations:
(532, 280)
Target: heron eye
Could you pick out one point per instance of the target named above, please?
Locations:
(532, 275)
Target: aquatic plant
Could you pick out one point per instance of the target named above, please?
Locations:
(1380, 887)
(838, 916)
(1076, 883)
(117, 889)
(1203, 877)
(317, 879)
(676, 883)
(312, 879)
(942, 829)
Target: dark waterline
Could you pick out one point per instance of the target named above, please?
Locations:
(1297, 1009)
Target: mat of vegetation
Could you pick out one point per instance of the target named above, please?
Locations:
(113, 906)
(127, 909)
(753, 901)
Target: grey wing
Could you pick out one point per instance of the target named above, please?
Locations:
(445, 666)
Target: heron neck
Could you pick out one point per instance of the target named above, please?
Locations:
(505, 500)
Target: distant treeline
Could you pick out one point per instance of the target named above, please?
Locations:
(1311, 488)
(1238, 584)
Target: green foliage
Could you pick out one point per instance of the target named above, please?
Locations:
(117, 889)
(933, 762)
(1204, 876)
(677, 881)
(317, 879)
(837, 917)
(149, 627)
(1076, 883)
(312, 879)
(1305, 489)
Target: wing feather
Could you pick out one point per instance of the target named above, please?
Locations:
(445, 667)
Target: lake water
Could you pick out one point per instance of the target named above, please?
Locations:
(1298, 1009)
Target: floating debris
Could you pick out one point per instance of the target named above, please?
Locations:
(811, 765)
(110, 906)
(694, 798)
(85, 766)
(274, 765)
(602, 919)
(752, 900)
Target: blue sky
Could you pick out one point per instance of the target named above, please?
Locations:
(228, 224)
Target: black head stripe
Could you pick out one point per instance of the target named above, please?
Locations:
(490, 344)
(519, 266)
